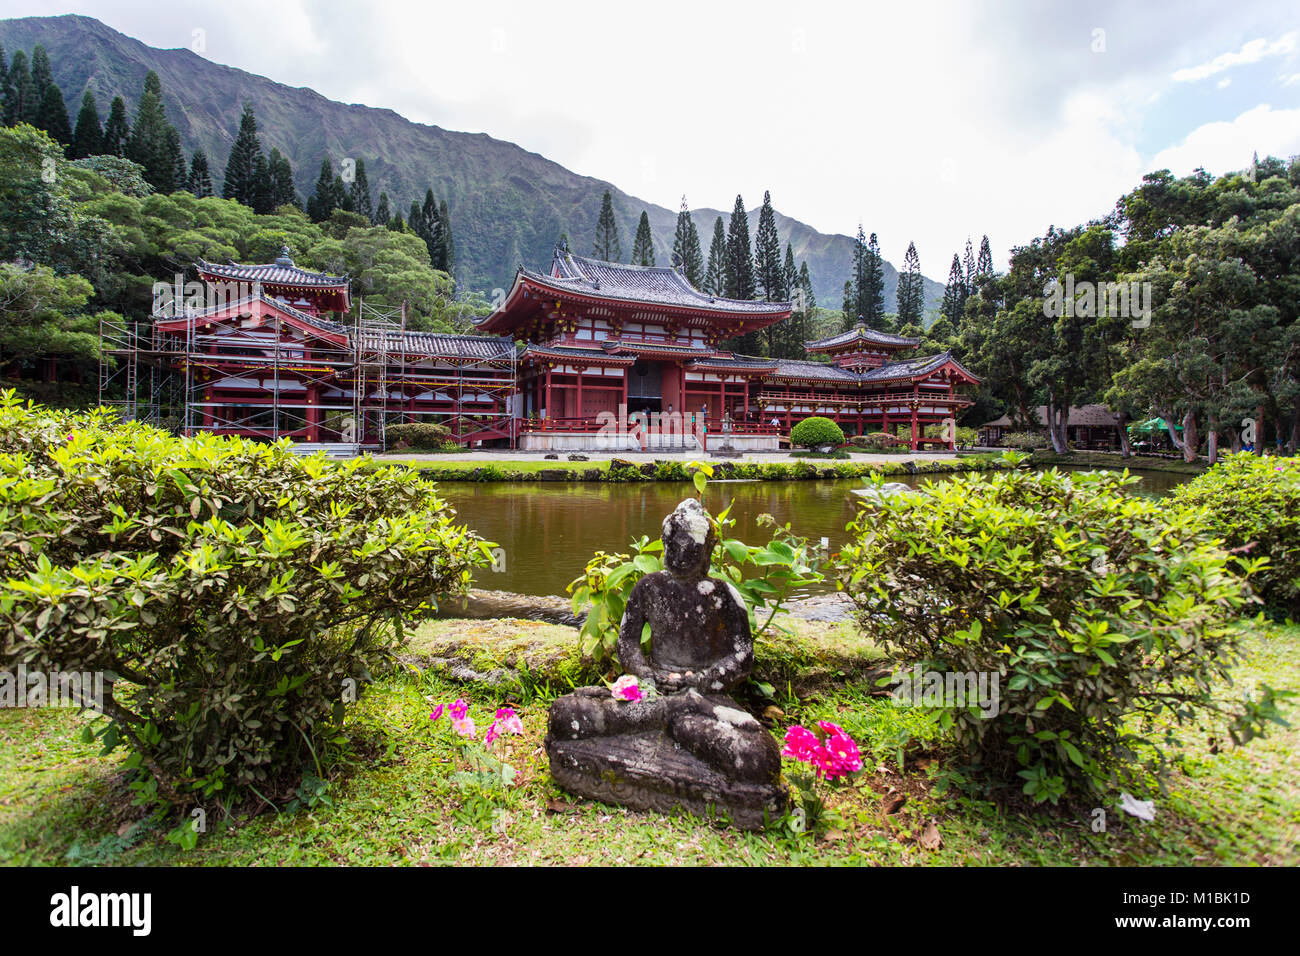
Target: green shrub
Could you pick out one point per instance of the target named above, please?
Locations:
(1253, 504)
(1025, 441)
(1103, 616)
(236, 594)
(877, 441)
(812, 432)
(424, 435)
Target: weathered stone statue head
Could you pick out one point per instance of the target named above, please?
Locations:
(688, 541)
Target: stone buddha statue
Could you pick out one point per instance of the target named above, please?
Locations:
(686, 743)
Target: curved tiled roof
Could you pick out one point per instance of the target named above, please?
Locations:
(817, 371)
(566, 353)
(280, 272)
(438, 344)
(861, 333)
(660, 285)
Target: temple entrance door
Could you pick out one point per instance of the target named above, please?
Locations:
(645, 388)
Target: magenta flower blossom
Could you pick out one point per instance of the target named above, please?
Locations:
(626, 688)
(437, 712)
(838, 756)
(464, 726)
(509, 721)
(459, 710)
(491, 734)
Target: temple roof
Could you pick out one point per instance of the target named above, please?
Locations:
(816, 371)
(861, 334)
(914, 368)
(438, 344)
(280, 272)
(568, 353)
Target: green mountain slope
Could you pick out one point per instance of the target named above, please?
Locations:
(508, 205)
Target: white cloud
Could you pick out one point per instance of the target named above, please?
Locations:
(1252, 52)
(1290, 80)
(1225, 82)
(1225, 146)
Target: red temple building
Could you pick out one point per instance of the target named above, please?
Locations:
(609, 356)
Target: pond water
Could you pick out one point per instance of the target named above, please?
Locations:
(548, 531)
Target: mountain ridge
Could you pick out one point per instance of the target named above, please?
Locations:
(508, 204)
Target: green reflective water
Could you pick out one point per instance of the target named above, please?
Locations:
(549, 531)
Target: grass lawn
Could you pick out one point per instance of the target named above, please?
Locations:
(402, 795)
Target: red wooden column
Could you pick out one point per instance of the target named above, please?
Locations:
(915, 401)
(313, 413)
(550, 412)
(580, 371)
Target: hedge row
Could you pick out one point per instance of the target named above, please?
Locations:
(620, 470)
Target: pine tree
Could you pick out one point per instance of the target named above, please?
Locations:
(240, 167)
(715, 273)
(322, 203)
(968, 270)
(739, 282)
(954, 293)
(199, 181)
(148, 144)
(261, 191)
(872, 292)
(686, 247)
(789, 276)
(643, 246)
(448, 243)
(383, 214)
(607, 246)
(42, 75)
(4, 87)
(911, 289)
(414, 219)
(283, 191)
(430, 228)
(767, 252)
(780, 337)
(116, 130)
(983, 265)
(395, 224)
(178, 177)
(855, 288)
(88, 138)
(359, 192)
(52, 116)
(850, 307)
(21, 103)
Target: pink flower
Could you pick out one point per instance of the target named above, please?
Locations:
(491, 734)
(626, 688)
(509, 721)
(799, 743)
(459, 710)
(464, 726)
(437, 712)
(844, 752)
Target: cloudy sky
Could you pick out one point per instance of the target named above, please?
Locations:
(923, 121)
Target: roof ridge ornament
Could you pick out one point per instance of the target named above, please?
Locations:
(284, 260)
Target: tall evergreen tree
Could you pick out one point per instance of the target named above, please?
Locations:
(178, 179)
(850, 306)
(780, 337)
(262, 194)
(324, 201)
(607, 246)
(430, 227)
(448, 242)
(872, 292)
(415, 219)
(984, 264)
(4, 86)
(148, 144)
(52, 116)
(21, 103)
(42, 75)
(283, 192)
(855, 288)
(911, 289)
(383, 213)
(968, 270)
(767, 252)
(395, 224)
(739, 282)
(240, 182)
(715, 273)
(686, 246)
(116, 130)
(199, 181)
(954, 293)
(643, 246)
(359, 192)
(88, 137)
(789, 276)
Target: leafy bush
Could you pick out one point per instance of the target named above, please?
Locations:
(1253, 504)
(1024, 441)
(877, 441)
(1102, 616)
(428, 435)
(234, 594)
(812, 432)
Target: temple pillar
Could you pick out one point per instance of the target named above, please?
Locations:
(915, 436)
(580, 415)
(313, 413)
